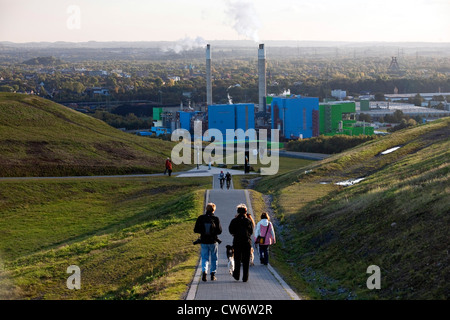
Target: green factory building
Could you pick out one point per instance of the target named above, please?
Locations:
(339, 118)
(157, 114)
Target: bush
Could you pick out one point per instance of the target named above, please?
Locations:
(130, 121)
(327, 144)
(403, 124)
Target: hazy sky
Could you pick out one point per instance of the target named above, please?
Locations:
(148, 20)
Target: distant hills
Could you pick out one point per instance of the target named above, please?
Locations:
(193, 49)
(221, 43)
(42, 138)
(45, 61)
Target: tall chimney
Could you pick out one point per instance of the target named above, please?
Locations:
(262, 77)
(208, 76)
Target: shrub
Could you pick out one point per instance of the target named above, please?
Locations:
(327, 144)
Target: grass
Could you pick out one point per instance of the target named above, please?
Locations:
(277, 258)
(397, 218)
(128, 236)
(131, 236)
(41, 138)
(286, 164)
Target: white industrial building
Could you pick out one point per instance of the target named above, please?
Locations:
(380, 109)
(406, 96)
(339, 94)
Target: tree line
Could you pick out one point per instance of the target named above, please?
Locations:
(328, 144)
(237, 78)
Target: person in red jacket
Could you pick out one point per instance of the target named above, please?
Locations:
(168, 166)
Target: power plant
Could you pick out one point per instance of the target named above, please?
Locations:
(234, 116)
(295, 116)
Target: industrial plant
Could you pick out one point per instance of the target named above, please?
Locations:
(295, 116)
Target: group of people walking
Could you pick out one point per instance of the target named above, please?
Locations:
(225, 177)
(241, 228)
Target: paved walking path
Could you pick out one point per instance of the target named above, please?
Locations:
(202, 171)
(303, 155)
(263, 283)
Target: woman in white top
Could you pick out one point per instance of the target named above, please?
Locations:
(265, 229)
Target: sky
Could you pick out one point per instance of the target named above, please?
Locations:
(257, 20)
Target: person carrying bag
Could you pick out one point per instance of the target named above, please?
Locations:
(264, 227)
(209, 227)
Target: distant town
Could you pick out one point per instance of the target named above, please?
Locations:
(303, 89)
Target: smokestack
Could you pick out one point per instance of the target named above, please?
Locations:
(262, 77)
(208, 76)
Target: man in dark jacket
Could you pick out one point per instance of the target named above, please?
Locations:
(241, 228)
(209, 227)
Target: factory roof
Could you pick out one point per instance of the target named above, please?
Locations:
(377, 107)
(412, 95)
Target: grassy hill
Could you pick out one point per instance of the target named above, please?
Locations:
(42, 138)
(120, 231)
(131, 237)
(396, 218)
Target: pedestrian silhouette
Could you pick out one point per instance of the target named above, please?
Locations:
(241, 228)
(209, 227)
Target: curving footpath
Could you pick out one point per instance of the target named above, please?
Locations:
(262, 279)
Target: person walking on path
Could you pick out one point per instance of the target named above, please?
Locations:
(241, 228)
(265, 229)
(209, 227)
(169, 166)
(221, 179)
(228, 179)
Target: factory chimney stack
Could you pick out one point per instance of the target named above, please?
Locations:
(262, 77)
(208, 76)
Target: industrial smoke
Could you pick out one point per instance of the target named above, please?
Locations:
(185, 44)
(244, 18)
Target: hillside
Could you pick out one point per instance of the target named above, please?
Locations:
(120, 231)
(397, 218)
(42, 138)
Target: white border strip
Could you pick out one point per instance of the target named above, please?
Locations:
(193, 288)
(285, 286)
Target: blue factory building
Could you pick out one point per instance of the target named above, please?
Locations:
(295, 116)
(185, 119)
(232, 116)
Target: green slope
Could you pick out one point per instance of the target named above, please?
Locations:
(131, 237)
(396, 218)
(42, 138)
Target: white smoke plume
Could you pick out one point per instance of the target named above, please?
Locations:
(244, 18)
(186, 44)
